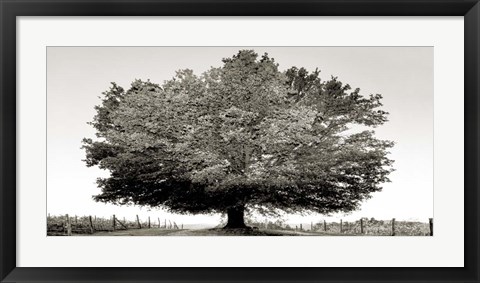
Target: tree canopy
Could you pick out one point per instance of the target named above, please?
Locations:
(244, 135)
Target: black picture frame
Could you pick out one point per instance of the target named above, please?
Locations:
(9, 272)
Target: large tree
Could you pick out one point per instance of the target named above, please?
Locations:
(242, 136)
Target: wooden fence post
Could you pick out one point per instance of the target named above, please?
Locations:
(69, 226)
(114, 223)
(325, 225)
(430, 221)
(91, 224)
(393, 227)
(361, 225)
(182, 226)
(159, 223)
(138, 223)
(311, 226)
(341, 228)
(149, 223)
(123, 225)
(76, 220)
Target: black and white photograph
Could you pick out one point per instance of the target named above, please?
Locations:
(240, 141)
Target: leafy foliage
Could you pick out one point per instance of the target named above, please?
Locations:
(245, 134)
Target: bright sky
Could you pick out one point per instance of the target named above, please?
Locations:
(76, 77)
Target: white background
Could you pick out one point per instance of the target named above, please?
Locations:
(444, 249)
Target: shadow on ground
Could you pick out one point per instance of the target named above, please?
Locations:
(210, 232)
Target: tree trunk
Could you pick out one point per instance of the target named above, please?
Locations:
(235, 217)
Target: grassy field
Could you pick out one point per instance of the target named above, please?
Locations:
(85, 226)
(209, 232)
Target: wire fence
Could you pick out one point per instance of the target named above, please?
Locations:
(66, 225)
